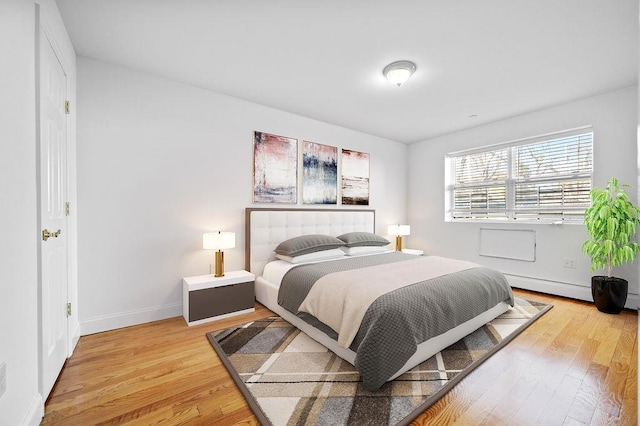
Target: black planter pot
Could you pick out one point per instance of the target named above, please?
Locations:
(609, 293)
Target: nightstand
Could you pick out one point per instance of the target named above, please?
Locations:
(208, 298)
(413, 251)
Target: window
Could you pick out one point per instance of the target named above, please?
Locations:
(544, 178)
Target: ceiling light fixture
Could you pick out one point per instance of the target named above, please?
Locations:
(399, 72)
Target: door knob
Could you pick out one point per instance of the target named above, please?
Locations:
(46, 234)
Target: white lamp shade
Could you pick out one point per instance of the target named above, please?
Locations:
(399, 230)
(218, 240)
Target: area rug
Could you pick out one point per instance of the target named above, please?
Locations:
(289, 379)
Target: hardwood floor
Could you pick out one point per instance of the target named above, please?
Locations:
(573, 366)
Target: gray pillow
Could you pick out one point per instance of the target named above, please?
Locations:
(360, 239)
(307, 244)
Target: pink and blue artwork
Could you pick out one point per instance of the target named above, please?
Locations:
(275, 171)
(320, 174)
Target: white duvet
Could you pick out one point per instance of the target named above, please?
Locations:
(342, 307)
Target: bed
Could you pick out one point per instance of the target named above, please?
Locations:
(389, 336)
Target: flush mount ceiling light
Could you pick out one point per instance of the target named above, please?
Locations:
(399, 72)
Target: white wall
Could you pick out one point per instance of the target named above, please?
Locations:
(21, 403)
(614, 119)
(159, 163)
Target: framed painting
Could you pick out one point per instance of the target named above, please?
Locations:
(320, 174)
(275, 169)
(355, 178)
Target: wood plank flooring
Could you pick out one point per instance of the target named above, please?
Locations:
(574, 366)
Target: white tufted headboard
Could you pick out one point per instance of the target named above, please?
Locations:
(266, 228)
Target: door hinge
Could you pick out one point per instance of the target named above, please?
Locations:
(67, 208)
(67, 108)
(68, 309)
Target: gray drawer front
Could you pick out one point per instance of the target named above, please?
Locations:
(210, 302)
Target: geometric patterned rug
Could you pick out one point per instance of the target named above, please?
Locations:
(289, 379)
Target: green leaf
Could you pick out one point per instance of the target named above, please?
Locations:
(628, 254)
(623, 238)
(612, 225)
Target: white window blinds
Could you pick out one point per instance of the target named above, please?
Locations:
(480, 189)
(542, 178)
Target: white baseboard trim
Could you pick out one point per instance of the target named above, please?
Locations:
(573, 291)
(34, 415)
(126, 319)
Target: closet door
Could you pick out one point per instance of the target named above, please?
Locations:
(53, 218)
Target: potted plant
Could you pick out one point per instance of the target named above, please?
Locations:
(611, 221)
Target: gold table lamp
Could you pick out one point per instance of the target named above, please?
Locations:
(399, 231)
(219, 241)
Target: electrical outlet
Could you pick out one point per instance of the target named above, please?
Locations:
(569, 263)
(3, 378)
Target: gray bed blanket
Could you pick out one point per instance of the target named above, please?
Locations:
(397, 322)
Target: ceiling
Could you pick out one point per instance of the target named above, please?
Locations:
(323, 59)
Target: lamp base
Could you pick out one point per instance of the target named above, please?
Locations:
(398, 243)
(219, 268)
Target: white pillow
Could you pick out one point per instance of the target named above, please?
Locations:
(310, 257)
(358, 251)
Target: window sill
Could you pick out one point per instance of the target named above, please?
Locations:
(516, 222)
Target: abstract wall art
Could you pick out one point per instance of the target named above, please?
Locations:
(275, 171)
(320, 174)
(355, 178)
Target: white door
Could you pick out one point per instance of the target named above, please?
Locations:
(53, 219)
